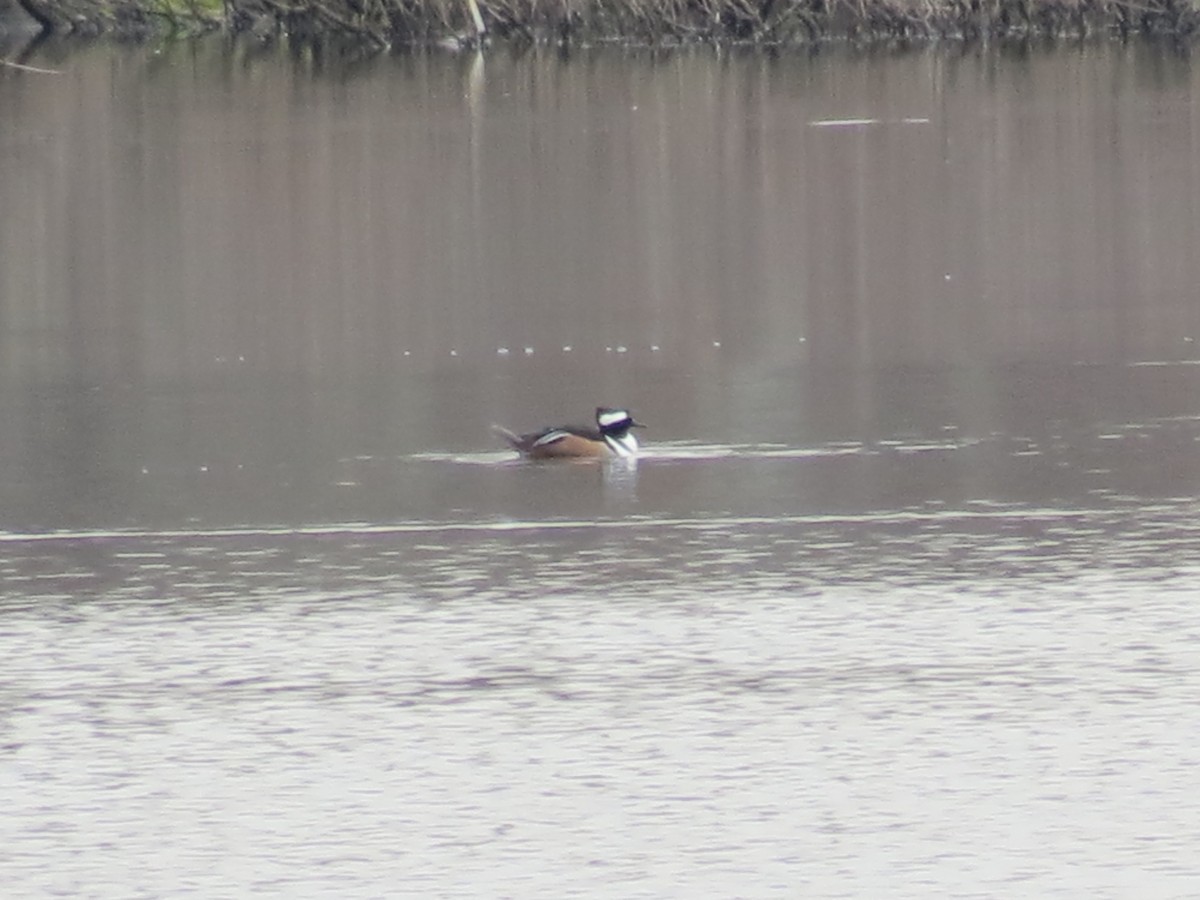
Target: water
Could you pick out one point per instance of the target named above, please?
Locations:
(900, 600)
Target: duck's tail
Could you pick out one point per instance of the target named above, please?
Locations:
(514, 440)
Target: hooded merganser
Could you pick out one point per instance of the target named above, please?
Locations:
(612, 436)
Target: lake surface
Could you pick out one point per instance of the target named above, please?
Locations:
(900, 600)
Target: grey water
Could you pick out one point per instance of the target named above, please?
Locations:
(900, 599)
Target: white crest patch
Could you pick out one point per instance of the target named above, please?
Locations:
(612, 417)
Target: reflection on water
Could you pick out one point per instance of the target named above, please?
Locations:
(899, 600)
(413, 216)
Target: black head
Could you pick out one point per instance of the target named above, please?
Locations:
(611, 420)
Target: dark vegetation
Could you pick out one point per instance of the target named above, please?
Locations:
(766, 22)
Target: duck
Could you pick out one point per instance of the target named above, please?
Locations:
(612, 437)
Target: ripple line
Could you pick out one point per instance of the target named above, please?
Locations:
(633, 522)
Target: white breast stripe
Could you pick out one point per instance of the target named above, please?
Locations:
(626, 445)
(550, 437)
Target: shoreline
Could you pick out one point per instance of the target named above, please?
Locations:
(665, 23)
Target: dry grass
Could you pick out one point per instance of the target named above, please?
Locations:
(132, 18)
(390, 22)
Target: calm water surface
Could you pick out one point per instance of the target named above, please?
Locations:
(901, 600)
